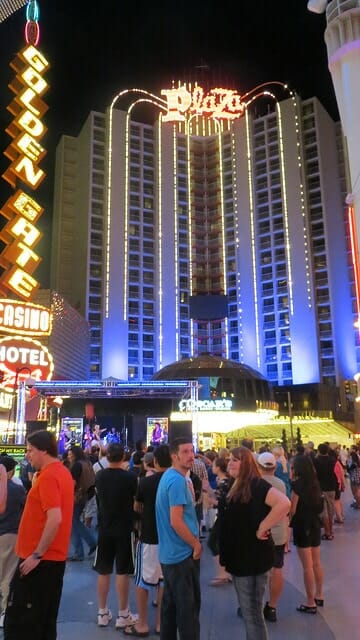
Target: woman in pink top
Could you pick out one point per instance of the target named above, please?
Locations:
(339, 472)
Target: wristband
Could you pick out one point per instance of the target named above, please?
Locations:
(36, 555)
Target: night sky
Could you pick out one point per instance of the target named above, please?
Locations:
(98, 48)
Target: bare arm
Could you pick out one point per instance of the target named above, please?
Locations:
(52, 524)
(280, 506)
(294, 503)
(3, 488)
(178, 524)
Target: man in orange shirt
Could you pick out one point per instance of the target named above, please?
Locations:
(42, 545)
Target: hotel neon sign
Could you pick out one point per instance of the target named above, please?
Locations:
(18, 259)
(225, 104)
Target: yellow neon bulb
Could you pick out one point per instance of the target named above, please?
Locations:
(237, 242)
(252, 232)
(303, 210)
(188, 166)
(222, 211)
(160, 239)
(176, 244)
(286, 212)
(159, 102)
(126, 214)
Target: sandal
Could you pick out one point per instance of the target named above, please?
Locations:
(304, 608)
(131, 631)
(319, 602)
(326, 536)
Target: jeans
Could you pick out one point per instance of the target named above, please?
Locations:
(180, 607)
(250, 593)
(8, 564)
(34, 602)
(80, 532)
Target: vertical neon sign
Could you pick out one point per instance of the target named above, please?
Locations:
(25, 152)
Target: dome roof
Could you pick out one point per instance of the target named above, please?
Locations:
(207, 366)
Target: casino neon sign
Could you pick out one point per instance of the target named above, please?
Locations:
(21, 235)
(25, 317)
(224, 104)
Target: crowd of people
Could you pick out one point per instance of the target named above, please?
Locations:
(147, 514)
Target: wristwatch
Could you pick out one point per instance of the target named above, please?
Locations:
(36, 555)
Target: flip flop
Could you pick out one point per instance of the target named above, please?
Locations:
(131, 631)
(304, 608)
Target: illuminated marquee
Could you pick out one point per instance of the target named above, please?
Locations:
(18, 259)
(23, 358)
(224, 104)
(205, 405)
(31, 319)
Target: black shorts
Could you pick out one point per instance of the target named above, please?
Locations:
(305, 536)
(279, 552)
(112, 549)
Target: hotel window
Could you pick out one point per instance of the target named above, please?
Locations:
(148, 293)
(272, 370)
(148, 175)
(148, 309)
(284, 335)
(98, 150)
(148, 134)
(133, 307)
(148, 324)
(148, 161)
(99, 135)
(266, 257)
(267, 289)
(270, 354)
(268, 304)
(148, 203)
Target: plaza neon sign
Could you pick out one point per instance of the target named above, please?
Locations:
(223, 104)
(20, 235)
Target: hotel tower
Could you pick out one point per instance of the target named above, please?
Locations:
(181, 228)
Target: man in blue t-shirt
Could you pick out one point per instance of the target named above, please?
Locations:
(179, 546)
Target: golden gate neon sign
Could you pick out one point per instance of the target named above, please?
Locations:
(19, 260)
(224, 104)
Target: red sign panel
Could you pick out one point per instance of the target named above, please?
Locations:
(23, 358)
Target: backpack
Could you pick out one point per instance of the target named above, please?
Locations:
(25, 468)
(197, 484)
(86, 485)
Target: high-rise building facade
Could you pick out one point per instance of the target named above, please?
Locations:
(177, 239)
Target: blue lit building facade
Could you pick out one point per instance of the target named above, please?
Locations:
(224, 238)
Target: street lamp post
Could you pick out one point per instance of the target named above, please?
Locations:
(17, 409)
(290, 418)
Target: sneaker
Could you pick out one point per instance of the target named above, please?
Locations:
(103, 619)
(2, 618)
(126, 621)
(270, 613)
